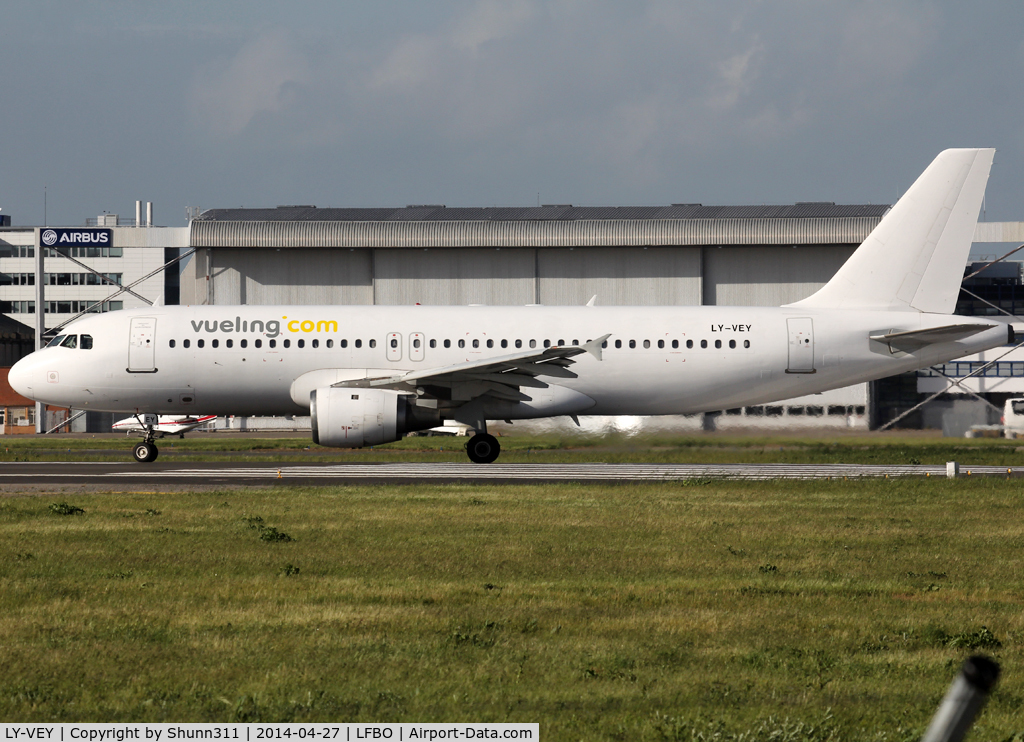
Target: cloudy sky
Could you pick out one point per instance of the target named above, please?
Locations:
(498, 102)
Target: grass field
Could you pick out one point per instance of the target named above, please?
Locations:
(897, 447)
(695, 610)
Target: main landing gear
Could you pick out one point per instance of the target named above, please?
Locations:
(483, 448)
(145, 452)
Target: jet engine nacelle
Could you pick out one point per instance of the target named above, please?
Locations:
(353, 417)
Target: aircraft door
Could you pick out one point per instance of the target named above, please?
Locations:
(416, 343)
(801, 345)
(394, 346)
(142, 346)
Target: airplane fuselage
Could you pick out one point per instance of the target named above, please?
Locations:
(264, 360)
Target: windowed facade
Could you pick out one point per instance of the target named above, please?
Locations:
(60, 307)
(71, 288)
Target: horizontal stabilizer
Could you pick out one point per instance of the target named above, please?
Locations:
(911, 340)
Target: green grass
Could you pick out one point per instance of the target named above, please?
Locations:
(711, 610)
(892, 448)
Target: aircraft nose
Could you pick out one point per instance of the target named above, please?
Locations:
(22, 377)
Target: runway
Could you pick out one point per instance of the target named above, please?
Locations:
(102, 474)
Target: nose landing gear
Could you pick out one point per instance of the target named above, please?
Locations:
(145, 452)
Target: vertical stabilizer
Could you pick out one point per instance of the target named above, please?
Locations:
(914, 259)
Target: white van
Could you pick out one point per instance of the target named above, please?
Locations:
(1013, 418)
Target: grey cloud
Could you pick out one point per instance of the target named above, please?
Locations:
(490, 101)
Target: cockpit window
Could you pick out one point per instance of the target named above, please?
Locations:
(70, 341)
(86, 342)
(56, 341)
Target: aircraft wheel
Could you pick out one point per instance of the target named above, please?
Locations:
(145, 453)
(483, 448)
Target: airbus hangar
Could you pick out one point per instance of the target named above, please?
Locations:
(678, 255)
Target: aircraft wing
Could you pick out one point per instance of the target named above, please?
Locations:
(500, 377)
(913, 339)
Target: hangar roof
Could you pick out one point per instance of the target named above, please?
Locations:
(434, 226)
(557, 212)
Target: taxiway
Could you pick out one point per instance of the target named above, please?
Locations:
(106, 474)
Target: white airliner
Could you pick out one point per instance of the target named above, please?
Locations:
(370, 374)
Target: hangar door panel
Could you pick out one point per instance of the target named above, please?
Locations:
(619, 276)
(454, 276)
(289, 276)
(768, 276)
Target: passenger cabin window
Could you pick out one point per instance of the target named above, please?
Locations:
(373, 343)
(273, 343)
(215, 343)
(490, 343)
(675, 343)
(618, 343)
(746, 343)
(170, 343)
(732, 343)
(200, 343)
(257, 342)
(344, 343)
(229, 343)
(718, 343)
(447, 343)
(632, 344)
(647, 343)
(243, 343)
(519, 343)
(689, 343)
(661, 343)
(433, 343)
(315, 343)
(476, 343)
(287, 343)
(186, 342)
(703, 343)
(358, 343)
(504, 343)
(462, 343)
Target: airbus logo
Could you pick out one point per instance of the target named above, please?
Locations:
(61, 237)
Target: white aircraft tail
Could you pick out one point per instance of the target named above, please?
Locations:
(914, 259)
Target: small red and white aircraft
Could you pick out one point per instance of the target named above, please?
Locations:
(159, 426)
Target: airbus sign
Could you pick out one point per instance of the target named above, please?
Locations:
(62, 237)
